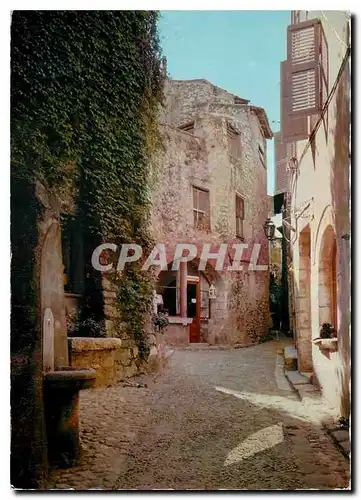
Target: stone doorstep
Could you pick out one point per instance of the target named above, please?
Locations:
(199, 347)
(290, 352)
(345, 445)
(296, 378)
(308, 375)
(290, 358)
(341, 437)
(305, 391)
(309, 394)
(205, 347)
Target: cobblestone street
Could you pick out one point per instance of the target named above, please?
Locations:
(215, 419)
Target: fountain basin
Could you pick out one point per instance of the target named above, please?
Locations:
(70, 378)
(61, 401)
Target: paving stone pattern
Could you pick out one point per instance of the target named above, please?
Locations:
(214, 419)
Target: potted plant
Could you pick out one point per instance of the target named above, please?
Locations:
(327, 338)
(160, 321)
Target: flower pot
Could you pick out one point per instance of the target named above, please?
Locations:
(326, 344)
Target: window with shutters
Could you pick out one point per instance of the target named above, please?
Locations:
(239, 216)
(293, 128)
(308, 65)
(304, 78)
(234, 142)
(282, 155)
(201, 211)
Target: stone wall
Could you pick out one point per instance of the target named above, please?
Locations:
(112, 359)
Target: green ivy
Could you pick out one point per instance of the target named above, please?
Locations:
(85, 91)
(135, 293)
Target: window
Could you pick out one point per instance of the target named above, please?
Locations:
(239, 216)
(187, 127)
(201, 213)
(304, 78)
(261, 155)
(234, 141)
(282, 155)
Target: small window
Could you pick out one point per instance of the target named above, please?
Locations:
(234, 141)
(239, 216)
(187, 127)
(261, 155)
(201, 212)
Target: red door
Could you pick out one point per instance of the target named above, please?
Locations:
(194, 310)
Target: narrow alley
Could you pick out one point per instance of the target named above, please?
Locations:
(214, 419)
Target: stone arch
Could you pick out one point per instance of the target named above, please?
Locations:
(52, 299)
(325, 220)
(327, 278)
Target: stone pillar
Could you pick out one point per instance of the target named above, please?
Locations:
(183, 289)
(304, 327)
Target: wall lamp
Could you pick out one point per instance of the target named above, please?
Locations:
(269, 229)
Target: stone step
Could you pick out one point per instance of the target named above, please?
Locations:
(291, 359)
(341, 435)
(203, 347)
(309, 375)
(296, 378)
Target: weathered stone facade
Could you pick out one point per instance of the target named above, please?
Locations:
(206, 158)
(320, 214)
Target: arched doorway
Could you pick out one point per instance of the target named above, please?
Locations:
(327, 278)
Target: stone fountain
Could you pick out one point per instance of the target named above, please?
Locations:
(61, 383)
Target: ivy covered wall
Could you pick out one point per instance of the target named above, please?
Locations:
(85, 92)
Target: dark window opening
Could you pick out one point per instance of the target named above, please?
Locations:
(239, 100)
(201, 210)
(187, 127)
(191, 300)
(278, 201)
(170, 298)
(239, 216)
(261, 155)
(234, 141)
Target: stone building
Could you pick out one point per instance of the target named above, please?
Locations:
(314, 174)
(212, 189)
